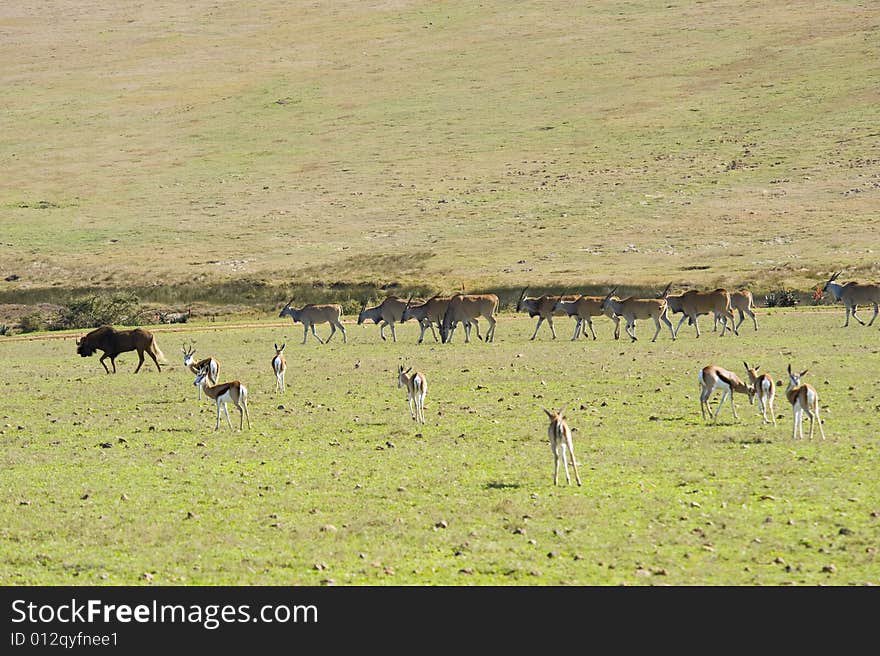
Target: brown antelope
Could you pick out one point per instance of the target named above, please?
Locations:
(712, 377)
(744, 303)
(560, 441)
(765, 390)
(279, 367)
(427, 313)
(224, 393)
(387, 313)
(803, 398)
(693, 303)
(638, 308)
(467, 309)
(854, 294)
(583, 309)
(211, 363)
(310, 314)
(542, 307)
(416, 389)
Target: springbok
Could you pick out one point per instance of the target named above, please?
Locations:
(560, 441)
(765, 390)
(583, 309)
(854, 294)
(693, 303)
(639, 308)
(467, 309)
(744, 303)
(387, 313)
(211, 363)
(416, 389)
(543, 307)
(712, 377)
(427, 313)
(803, 398)
(224, 393)
(279, 367)
(310, 314)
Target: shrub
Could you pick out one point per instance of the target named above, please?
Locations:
(30, 323)
(4, 329)
(781, 298)
(97, 310)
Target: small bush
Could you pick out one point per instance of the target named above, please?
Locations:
(31, 323)
(781, 298)
(97, 310)
(4, 330)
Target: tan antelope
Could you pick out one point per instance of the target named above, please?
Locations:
(427, 313)
(416, 389)
(765, 390)
(632, 309)
(211, 363)
(310, 314)
(467, 309)
(744, 303)
(583, 309)
(224, 393)
(542, 307)
(693, 303)
(854, 294)
(279, 367)
(804, 399)
(387, 313)
(560, 441)
(713, 377)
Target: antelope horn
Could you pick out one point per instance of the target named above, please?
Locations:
(666, 291)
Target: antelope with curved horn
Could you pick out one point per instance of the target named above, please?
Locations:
(713, 377)
(224, 393)
(467, 309)
(804, 399)
(693, 303)
(560, 441)
(765, 390)
(583, 309)
(279, 367)
(854, 294)
(632, 309)
(427, 313)
(542, 307)
(211, 363)
(311, 314)
(387, 313)
(416, 389)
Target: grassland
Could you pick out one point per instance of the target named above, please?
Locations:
(120, 479)
(447, 144)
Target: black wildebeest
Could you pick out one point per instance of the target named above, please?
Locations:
(113, 342)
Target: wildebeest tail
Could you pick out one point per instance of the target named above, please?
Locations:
(154, 348)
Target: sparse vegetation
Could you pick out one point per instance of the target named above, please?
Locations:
(97, 310)
(782, 298)
(31, 322)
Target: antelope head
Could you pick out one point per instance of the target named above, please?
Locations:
(795, 379)
(287, 311)
(605, 300)
(832, 279)
(405, 314)
(361, 315)
(521, 297)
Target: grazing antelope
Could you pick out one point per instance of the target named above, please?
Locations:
(543, 307)
(310, 314)
(854, 294)
(387, 313)
(210, 362)
(279, 367)
(583, 309)
(693, 303)
(223, 394)
(712, 377)
(560, 442)
(416, 389)
(803, 398)
(467, 309)
(765, 390)
(744, 303)
(639, 308)
(427, 313)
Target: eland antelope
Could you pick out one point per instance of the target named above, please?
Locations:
(632, 309)
(467, 309)
(583, 309)
(310, 314)
(854, 294)
(543, 307)
(387, 313)
(693, 303)
(427, 313)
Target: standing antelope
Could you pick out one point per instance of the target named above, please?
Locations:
(427, 313)
(387, 313)
(209, 362)
(854, 294)
(639, 308)
(803, 398)
(765, 390)
(467, 309)
(224, 393)
(543, 307)
(712, 377)
(416, 389)
(560, 441)
(279, 367)
(583, 309)
(744, 303)
(310, 314)
(693, 303)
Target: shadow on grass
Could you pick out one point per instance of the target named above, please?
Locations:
(500, 485)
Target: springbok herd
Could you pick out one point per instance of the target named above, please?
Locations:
(447, 312)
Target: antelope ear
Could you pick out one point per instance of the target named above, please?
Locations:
(549, 414)
(561, 411)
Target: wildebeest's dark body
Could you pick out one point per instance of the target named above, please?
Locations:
(113, 342)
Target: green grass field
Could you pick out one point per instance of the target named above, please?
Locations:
(121, 480)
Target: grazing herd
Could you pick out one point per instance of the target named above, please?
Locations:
(446, 313)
